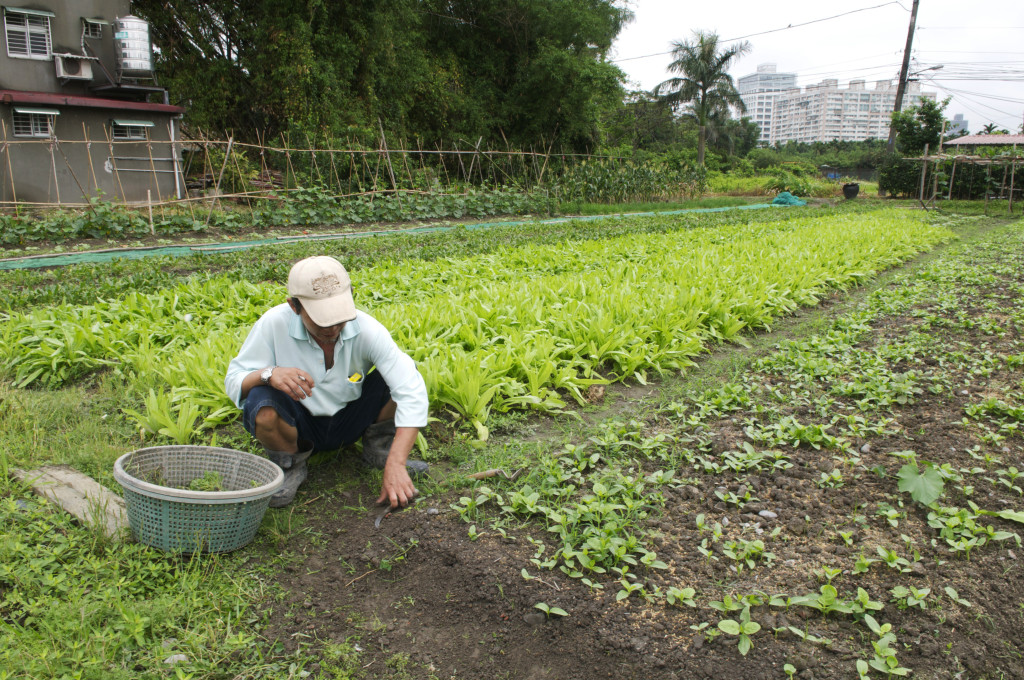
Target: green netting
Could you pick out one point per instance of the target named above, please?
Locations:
(786, 198)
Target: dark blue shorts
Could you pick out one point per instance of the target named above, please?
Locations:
(326, 432)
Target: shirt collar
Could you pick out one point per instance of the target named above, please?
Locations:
(299, 332)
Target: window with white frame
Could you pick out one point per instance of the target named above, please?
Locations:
(92, 28)
(129, 129)
(34, 122)
(28, 33)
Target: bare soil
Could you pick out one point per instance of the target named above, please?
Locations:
(418, 598)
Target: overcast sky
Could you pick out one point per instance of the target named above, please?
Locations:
(980, 45)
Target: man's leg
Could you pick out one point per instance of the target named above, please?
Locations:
(272, 417)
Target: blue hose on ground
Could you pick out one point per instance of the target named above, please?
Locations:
(64, 259)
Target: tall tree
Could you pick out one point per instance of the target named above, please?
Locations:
(703, 89)
(523, 70)
(919, 125)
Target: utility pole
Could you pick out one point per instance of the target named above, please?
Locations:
(904, 74)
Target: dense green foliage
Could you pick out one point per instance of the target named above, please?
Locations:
(519, 71)
(916, 127)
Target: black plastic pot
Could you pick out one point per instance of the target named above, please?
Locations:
(851, 189)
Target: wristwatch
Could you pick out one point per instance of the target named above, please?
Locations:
(265, 375)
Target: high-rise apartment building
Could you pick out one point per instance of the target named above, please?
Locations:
(758, 92)
(826, 112)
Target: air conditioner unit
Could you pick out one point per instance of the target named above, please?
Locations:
(71, 67)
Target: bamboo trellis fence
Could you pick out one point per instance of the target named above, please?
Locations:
(209, 170)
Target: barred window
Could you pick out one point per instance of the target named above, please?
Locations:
(28, 34)
(33, 124)
(93, 29)
(129, 129)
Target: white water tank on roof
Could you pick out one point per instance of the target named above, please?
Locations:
(133, 49)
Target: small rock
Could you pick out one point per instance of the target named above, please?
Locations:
(725, 521)
(917, 569)
(433, 511)
(175, 658)
(798, 527)
(964, 392)
(1011, 554)
(534, 618)
(168, 643)
(866, 448)
(768, 514)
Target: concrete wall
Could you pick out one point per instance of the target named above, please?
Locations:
(67, 170)
(38, 75)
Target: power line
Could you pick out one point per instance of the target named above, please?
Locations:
(774, 30)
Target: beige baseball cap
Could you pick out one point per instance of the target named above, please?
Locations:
(323, 287)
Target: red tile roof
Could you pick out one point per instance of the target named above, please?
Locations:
(986, 140)
(25, 97)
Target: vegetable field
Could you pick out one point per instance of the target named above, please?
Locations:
(769, 445)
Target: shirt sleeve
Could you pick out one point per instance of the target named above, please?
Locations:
(257, 353)
(399, 371)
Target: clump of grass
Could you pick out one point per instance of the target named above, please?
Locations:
(210, 481)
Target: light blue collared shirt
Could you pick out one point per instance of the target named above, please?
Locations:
(278, 338)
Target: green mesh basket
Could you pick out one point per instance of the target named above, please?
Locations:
(165, 514)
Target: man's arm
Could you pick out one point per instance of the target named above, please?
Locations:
(397, 487)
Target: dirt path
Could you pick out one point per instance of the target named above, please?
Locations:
(786, 485)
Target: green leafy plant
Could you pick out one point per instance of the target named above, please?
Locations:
(550, 611)
(742, 629)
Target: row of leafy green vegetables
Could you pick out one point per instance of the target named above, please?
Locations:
(523, 327)
(83, 284)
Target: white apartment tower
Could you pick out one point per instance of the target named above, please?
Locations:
(759, 91)
(825, 112)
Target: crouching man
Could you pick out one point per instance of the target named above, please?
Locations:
(315, 374)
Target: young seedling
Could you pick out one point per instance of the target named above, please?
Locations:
(828, 573)
(885, 656)
(955, 596)
(743, 628)
(681, 595)
(550, 611)
(905, 597)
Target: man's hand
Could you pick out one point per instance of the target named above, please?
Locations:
(397, 488)
(294, 382)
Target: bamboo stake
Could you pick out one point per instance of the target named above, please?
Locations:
(72, 171)
(238, 169)
(216, 189)
(152, 167)
(405, 161)
(88, 153)
(10, 169)
(461, 166)
(113, 164)
(1013, 171)
(924, 170)
(988, 181)
(288, 158)
(149, 204)
(53, 166)
(387, 159)
(952, 176)
(312, 158)
(334, 172)
(444, 166)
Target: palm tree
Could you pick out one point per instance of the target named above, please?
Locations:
(703, 82)
(993, 129)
